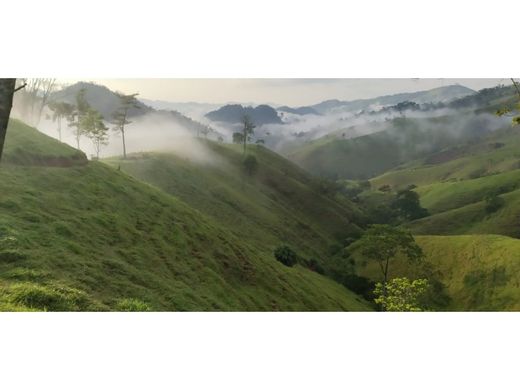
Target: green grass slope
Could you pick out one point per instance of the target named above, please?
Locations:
(497, 152)
(280, 203)
(87, 237)
(399, 141)
(479, 272)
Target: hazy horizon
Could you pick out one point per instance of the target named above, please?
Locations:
(292, 92)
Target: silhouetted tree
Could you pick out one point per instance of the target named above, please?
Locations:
(248, 130)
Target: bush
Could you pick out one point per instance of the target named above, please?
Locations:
(285, 255)
(132, 304)
(315, 266)
(52, 298)
(493, 203)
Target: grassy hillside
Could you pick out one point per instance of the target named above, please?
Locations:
(279, 203)
(479, 272)
(401, 140)
(88, 237)
(495, 153)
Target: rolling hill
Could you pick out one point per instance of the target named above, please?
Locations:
(442, 94)
(82, 235)
(279, 203)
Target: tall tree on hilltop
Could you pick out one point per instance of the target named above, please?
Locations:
(120, 117)
(248, 130)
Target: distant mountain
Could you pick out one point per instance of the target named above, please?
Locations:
(436, 95)
(192, 109)
(99, 97)
(234, 113)
(299, 110)
(107, 102)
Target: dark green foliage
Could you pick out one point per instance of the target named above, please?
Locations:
(11, 255)
(383, 243)
(238, 138)
(408, 206)
(315, 266)
(385, 188)
(233, 113)
(250, 164)
(493, 203)
(286, 255)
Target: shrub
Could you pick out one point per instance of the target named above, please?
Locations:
(52, 298)
(132, 304)
(315, 266)
(285, 255)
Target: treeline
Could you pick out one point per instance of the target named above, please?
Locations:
(86, 121)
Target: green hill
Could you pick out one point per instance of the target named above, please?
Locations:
(478, 272)
(399, 141)
(89, 237)
(279, 203)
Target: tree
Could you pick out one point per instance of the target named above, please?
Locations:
(250, 164)
(248, 130)
(408, 205)
(94, 128)
(76, 118)
(35, 97)
(60, 111)
(7, 89)
(120, 117)
(508, 110)
(401, 294)
(383, 243)
(238, 138)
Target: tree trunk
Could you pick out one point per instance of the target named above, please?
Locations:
(59, 127)
(385, 280)
(6, 102)
(124, 143)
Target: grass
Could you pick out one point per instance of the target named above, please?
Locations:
(89, 237)
(278, 204)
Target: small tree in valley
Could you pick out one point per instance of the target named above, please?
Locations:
(382, 243)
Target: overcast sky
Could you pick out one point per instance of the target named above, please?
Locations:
(292, 92)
